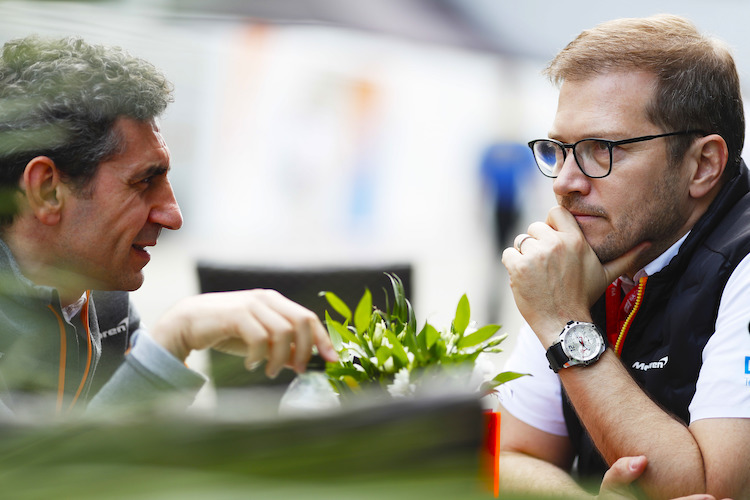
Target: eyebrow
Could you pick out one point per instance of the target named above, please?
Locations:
(154, 170)
(595, 135)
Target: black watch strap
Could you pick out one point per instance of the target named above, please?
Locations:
(556, 357)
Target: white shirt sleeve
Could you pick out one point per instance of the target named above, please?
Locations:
(723, 387)
(535, 399)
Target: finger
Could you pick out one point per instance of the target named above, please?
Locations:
(310, 331)
(250, 340)
(323, 343)
(509, 257)
(536, 231)
(619, 477)
(280, 334)
(307, 321)
(518, 241)
(560, 219)
(625, 262)
(279, 351)
(303, 341)
(539, 232)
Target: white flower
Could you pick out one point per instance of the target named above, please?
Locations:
(352, 349)
(379, 334)
(401, 388)
(359, 368)
(388, 365)
(450, 339)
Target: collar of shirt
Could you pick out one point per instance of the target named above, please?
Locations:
(654, 266)
(71, 310)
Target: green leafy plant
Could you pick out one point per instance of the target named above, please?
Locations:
(385, 348)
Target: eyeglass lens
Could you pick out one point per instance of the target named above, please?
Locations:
(592, 155)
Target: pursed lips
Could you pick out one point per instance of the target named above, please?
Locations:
(586, 218)
(582, 213)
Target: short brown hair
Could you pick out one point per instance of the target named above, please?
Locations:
(697, 83)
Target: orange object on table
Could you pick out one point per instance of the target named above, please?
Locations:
(491, 451)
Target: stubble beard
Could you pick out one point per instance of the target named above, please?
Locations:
(658, 220)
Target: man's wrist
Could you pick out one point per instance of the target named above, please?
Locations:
(578, 344)
(549, 331)
(170, 339)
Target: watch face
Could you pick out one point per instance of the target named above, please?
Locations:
(583, 342)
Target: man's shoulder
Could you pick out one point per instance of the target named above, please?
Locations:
(732, 233)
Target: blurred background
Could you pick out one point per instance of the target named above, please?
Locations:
(335, 132)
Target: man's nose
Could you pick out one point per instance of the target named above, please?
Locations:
(167, 212)
(570, 178)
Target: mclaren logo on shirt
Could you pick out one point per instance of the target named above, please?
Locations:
(653, 365)
(121, 327)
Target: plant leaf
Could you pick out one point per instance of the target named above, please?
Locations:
(363, 312)
(387, 305)
(336, 370)
(463, 315)
(478, 337)
(398, 350)
(430, 335)
(492, 342)
(338, 305)
(411, 342)
(383, 353)
(500, 379)
(411, 325)
(342, 330)
(333, 334)
(503, 377)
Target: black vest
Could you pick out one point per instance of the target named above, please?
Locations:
(663, 348)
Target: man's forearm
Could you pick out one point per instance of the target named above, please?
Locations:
(528, 476)
(623, 421)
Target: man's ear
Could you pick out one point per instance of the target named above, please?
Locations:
(711, 155)
(43, 187)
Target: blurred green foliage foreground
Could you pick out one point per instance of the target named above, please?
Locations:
(422, 448)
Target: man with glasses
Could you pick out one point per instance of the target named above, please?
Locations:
(635, 289)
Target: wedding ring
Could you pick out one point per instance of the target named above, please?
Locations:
(519, 241)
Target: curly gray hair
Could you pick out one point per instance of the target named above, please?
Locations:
(60, 98)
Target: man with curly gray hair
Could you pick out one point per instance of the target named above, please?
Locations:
(85, 192)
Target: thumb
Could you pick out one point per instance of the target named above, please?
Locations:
(618, 479)
(625, 262)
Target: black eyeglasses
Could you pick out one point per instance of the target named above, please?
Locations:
(593, 156)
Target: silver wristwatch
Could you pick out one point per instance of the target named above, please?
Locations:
(580, 344)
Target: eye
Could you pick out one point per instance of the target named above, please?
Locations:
(600, 151)
(146, 181)
(151, 178)
(601, 146)
(145, 178)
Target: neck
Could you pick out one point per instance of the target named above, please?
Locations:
(69, 285)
